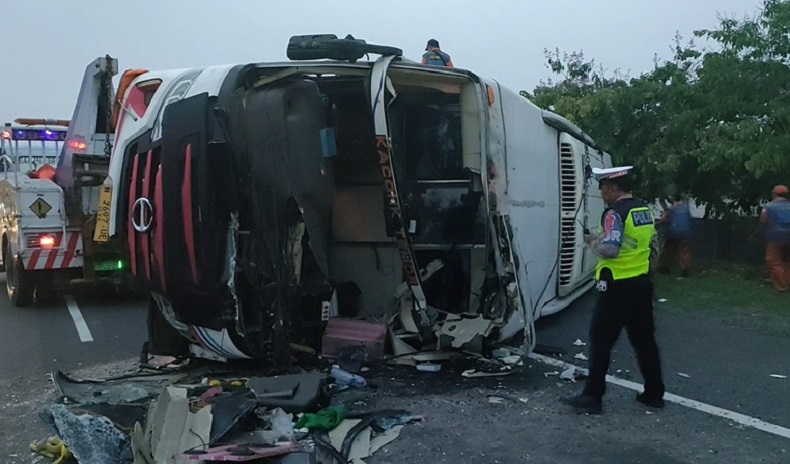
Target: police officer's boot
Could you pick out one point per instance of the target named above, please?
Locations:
(650, 400)
(589, 404)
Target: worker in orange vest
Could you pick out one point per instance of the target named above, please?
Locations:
(776, 216)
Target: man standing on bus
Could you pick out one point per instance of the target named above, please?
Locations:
(776, 216)
(625, 247)
(435, 56)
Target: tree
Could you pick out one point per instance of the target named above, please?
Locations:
(711, 124)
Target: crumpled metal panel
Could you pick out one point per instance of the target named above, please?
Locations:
(92, 439)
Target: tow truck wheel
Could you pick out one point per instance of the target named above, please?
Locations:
(20, 283)
(163, 339)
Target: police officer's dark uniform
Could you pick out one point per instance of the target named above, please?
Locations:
(625, 299)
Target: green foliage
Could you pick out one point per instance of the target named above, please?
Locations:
(713, 123)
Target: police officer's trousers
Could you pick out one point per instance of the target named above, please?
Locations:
(629, 304)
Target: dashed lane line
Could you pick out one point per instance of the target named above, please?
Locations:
(79, 321)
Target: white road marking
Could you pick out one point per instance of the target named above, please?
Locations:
(738, 418)
(79, 321)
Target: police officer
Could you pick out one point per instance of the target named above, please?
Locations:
(776, 217)
(435, 56)
(624, 245)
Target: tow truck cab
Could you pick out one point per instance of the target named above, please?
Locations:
(259, 200)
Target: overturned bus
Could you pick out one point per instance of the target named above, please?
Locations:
(258, 201)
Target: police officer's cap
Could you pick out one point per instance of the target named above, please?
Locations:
(617, 175)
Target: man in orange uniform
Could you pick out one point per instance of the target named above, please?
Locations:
(776, 217)
(678, 235)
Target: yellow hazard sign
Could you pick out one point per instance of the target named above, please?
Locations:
(40, 208)
(102, 232)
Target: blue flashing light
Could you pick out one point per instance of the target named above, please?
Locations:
(38, 135)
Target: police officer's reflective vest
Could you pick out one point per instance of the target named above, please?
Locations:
(778, 227)
(436, 58)
(634, 257)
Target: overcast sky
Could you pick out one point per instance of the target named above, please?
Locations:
(46, 44)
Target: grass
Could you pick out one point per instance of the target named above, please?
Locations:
(737, 294)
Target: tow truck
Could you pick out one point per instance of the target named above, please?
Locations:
(259, 201)
(53, 171)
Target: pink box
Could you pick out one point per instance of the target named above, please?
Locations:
(341, 332)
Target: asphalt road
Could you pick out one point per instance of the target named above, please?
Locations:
(512, 419)
(43, 338)
(727, 367)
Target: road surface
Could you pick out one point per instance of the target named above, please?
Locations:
(512, 419)
(40, 339)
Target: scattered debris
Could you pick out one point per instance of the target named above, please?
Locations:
(294, 393)
(513, 360)
(52, 448)
(358, 446)
(352, 358)
(413, 358)
(429, 367)
(390, 422)
(91, 438)
(136, 388)
(324, 420)
(464, 330)
(579, 342)
(341, 333)
(547, 374)
(358, 438)
(475, 373)
(580, 356)
(278, 426)
(227, 411)
(240, 452)
(684, 375)
(157, 414)
(568, 374)
(344, 378)
(778, 376)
